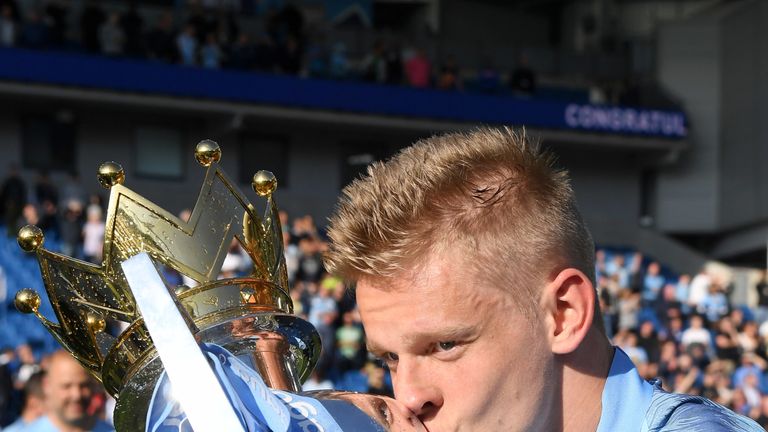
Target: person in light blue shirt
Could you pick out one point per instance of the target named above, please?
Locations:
(475, 281)
(68, 390)
(34, 403)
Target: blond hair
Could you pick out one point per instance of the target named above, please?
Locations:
(490, 192)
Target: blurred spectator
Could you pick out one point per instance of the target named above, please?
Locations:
(29, 216)
(762, 418)
(56, 12)
(132, 26)
(750, 387)
(682, 288)
(7, 406)
(374, 65)
(748, 338)
(715, 304)
(33, 403)
(310, 262)
(652, 283)
(750, 365)
(160, 40)
(648, 340)
(448, 79)
(349, 340)
(376, 383)
(242, 55)
(186, 44)
(68, 391)
(317, 60)
(73, 190)
(418, 69)
(70, 228)
(394, 63)
(727, 341)
(338, 63)
(322, 306)
(93, 234)
(636, 273)
(235, 261)
(761, 314)
(617, 269)
(324, 317)
(91, 20)
(289, 56)
(111, 36)
(696, 333)
(699, 288)
(9, 29)
(292, 257)
(45, 190)
(523, 80)
(488, 79)
(264, 53)
(13, 195)
(629, 308)
(27, 365)
(34, 32)
(210, 53)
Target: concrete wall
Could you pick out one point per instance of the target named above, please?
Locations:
(689, 56)
(715, 63)
(744, 155)
(480, 33)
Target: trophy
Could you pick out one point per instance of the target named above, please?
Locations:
(242, 324)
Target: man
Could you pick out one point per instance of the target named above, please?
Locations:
(475, 277)
(34, 403)
(67, 390)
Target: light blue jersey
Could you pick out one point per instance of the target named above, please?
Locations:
(44, 424)
(632, 404)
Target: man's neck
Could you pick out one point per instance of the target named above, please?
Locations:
(584, 374)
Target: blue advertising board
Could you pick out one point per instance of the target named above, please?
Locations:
(146, 77)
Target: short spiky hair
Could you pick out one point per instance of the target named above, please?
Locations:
(488, 191)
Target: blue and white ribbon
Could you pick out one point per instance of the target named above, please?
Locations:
(259, 408)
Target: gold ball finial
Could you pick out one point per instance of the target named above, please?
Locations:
(95, 322)
(27, 301)
(264, 183)
(30, 238)
(207, 152)
(110, 174)
(181, 289)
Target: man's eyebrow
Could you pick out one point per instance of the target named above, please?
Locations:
(453, 333)
(372, 348)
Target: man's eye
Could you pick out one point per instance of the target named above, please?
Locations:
(446, 346)
(390, 357)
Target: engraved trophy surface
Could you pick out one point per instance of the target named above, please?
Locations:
(251, 317)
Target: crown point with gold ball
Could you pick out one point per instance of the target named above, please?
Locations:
(27, 301)
(30, 238)
(264, 183)
(95, 322)
(110, 174)
(207, 152)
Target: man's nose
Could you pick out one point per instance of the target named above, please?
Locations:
(417, 389)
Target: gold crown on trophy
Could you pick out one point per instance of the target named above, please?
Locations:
(86, 296)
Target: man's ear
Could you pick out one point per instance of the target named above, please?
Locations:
(569, 303)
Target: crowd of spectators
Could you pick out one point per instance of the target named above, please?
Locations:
(680, 328)
(216, 37)
(684, 330)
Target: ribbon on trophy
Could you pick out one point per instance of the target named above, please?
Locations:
(258, 407)
(209, 390)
